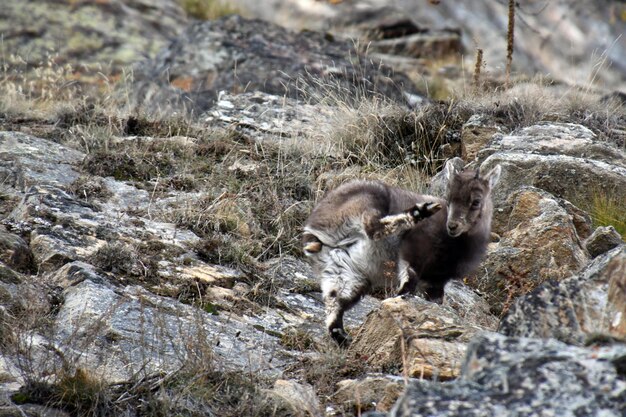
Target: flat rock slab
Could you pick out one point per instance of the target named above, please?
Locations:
(28, 161)
(119, 332)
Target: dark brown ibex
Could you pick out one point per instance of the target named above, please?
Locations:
(359, 229)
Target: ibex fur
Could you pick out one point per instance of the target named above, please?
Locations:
(362, 227)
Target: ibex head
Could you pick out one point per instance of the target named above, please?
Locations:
(469, 200)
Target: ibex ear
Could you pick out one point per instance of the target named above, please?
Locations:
(493, 176)
(450, 170)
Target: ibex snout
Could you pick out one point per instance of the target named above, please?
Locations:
(454, 228)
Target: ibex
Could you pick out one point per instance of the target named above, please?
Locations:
(361, 228)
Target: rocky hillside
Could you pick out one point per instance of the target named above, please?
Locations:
(150, 220)
(579, 42)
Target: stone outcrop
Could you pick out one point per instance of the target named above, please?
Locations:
(513, 376)
(236, 55)
(423, 339)
(104, 36)
(575, 309)
(568, 34)
(540, 243)
(564, 159)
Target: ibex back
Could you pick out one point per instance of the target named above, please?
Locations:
(359, 229)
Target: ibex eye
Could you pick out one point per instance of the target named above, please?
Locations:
(475, 204)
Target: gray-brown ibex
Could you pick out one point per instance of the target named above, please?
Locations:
(357, 230)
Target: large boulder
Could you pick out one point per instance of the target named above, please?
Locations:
(236, 55)
(540, 242)
(517, 376)
(419, 338)
(564, 159)
(577, 308)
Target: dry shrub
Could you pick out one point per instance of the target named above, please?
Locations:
(327, 368)
(538, 100)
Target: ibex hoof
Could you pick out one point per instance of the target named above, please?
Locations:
(424, 210)
(340, 337)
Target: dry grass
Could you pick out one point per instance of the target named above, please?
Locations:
(247, 201)
(208, 9)
(608, 210)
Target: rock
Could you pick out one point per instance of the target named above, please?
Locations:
(565, 50)
(573, 310)
(476, 133)
(531, 377)
(423, 338)
(30, 410)
(470, 306)
(101, 36)
(74, 273)
(388, 32)
(14, 252)
(430, 45)
(52, 213)
(602, 240)
(116, 333)
(300, 397)
(267, 116)
(236, 55)
(370, 393)
(562, 158)
(539, 243)
(35, 161)
(616, 311)
(551, 138)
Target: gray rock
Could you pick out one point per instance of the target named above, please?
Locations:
(576, 308)
(561, 158)
(267, 116)
(14, 252)
(426, 339)
(525, 377)
(602, 240)
(236, 55)
(551, 138)
(35, 161)
(539, 241)
(116, 333)
(113, 34)
(439, 183)
(476, 133)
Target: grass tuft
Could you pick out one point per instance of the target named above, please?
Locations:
(607, 210)
(208, 9)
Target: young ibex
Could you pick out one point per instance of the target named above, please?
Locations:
(362, 227)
